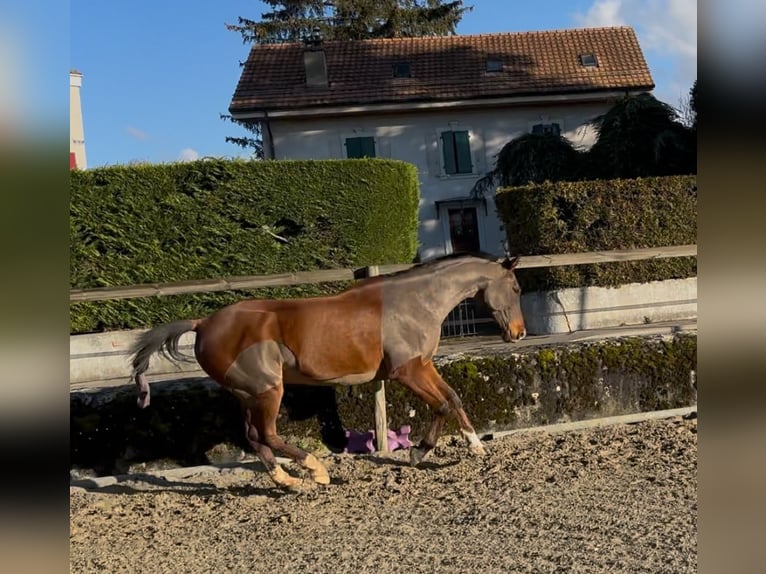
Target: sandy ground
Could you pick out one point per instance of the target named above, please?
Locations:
(614, 499)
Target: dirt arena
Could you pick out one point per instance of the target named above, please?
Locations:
(614, 499)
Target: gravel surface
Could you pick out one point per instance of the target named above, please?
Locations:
(614, 499)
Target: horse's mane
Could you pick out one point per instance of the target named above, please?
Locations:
(439, 261)
(459, 255)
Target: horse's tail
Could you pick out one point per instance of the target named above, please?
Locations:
(163, 339)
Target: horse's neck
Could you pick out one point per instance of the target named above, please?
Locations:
(448, 287)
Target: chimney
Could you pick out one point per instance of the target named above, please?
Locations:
(314, 61)
(76, 131)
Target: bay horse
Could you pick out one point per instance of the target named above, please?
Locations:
(385, 327)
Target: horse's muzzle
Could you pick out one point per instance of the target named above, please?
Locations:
(510, 337)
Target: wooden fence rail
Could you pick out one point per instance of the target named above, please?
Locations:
(324, 276)
(329, 275)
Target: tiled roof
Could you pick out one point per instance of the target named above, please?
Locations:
(444, 68)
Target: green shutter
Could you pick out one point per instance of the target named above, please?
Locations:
(463, 152)
(360, 147)
(368, 147)
(448, 153)
(353, 148)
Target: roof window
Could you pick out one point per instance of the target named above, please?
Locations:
(494, 65)
(588, 60)
(402, 70)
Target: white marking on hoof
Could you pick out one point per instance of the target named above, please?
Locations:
(317, 470)
(474, 444)
(416, 455)
(478, 450)
(281, 478)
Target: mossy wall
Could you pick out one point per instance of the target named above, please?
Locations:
(534, 387)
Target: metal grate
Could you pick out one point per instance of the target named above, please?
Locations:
(469, 319)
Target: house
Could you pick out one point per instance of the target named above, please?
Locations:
(446, 104)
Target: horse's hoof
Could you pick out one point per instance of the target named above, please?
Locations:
(478, 450)
(321, 478)
(284, 480)
(317, 470)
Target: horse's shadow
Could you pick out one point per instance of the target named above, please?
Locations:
(122, 486)
(122, 483)
(425, 465)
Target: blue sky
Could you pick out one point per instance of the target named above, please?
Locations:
(157, 74)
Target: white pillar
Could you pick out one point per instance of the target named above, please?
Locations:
(76, 130)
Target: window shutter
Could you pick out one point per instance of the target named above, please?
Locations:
(360, 147)
(463, 152)
(368, 147)
(353, 148)
(448, 152)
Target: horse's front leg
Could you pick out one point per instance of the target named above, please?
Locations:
(414, 375)
(456, 409)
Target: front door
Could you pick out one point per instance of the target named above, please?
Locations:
(464, 229)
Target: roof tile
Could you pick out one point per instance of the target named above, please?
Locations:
(443, 68)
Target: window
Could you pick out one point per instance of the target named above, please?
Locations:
(553, 128)
(402, 70)
(589, 60)
(456, 152)
(494, 65)
(360, 147)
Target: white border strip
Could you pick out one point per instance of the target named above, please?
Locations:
(595, 423)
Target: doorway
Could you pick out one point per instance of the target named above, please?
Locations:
(464, 229)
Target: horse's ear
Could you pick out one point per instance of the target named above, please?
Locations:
(510, 264)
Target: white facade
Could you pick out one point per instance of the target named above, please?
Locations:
(413, 136)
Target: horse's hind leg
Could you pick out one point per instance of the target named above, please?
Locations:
(263, 409)
(265, 454)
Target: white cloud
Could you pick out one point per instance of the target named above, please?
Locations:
(136, 133)
(667, 32)
(188, 154)
(601, 13)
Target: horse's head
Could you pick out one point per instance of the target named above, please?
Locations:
(502, 295)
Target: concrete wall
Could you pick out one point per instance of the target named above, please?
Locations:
(414, 138)
(567, 310)
(106, 356)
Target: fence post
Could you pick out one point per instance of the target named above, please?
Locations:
(381, 421)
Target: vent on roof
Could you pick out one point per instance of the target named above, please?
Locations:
(494, 65)
(402, 70)
(589, 60)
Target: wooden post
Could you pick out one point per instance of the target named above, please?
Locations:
(381, 421)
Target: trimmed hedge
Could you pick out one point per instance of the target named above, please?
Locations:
(214, 218)
(572, 217)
